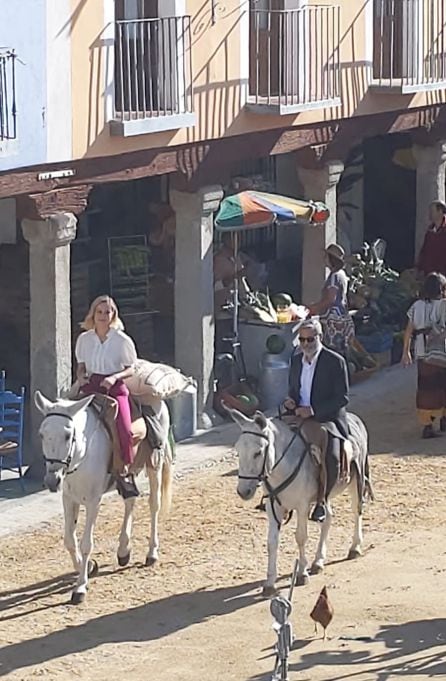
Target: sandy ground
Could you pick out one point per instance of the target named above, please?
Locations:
(198, 614)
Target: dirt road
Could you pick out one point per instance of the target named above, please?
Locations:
(198, 614)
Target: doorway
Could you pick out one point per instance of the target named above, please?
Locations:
(390, 199)
(137, 63)
(269, 28)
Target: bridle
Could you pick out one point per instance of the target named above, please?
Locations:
(67, 461)
(262, 478)
(262, 475)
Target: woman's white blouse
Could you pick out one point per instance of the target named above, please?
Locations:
(113, 355)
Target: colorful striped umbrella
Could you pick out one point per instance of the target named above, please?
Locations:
(251, 210)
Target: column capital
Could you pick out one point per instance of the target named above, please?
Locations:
(45, 204)
(204, 201)
(334, 170)
(318, 181)
(430, 155)
(57, 230)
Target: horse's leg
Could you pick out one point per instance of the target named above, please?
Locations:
(80, 590)
(357, 505)
(125, 535)
(71, 513)
(269, 588)
(301, 539)
(321, 553)
(155, 478)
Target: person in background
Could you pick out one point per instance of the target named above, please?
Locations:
(105, 357)
(332, 308)
(432, 257)
(226, 267)
(431, 389)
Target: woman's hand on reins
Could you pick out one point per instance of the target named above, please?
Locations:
(108, 382)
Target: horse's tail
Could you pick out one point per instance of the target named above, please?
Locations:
(167, 477)
(367, 480)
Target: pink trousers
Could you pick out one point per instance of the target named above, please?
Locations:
(124, 418)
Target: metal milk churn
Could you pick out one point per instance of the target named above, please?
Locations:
(274, 375)
(183, 413)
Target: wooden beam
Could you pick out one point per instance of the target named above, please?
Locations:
(41, 206)
(200, 162)
(353, 131)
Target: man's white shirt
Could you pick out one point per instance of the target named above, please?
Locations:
(306, 379)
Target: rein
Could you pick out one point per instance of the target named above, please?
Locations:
(273, 492)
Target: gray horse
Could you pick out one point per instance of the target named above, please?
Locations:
(272, 455)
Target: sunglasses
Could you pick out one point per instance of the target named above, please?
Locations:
(310, 339)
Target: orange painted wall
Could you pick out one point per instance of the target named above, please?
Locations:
(216, 55)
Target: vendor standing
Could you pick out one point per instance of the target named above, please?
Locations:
(432, 256)
(332, 308)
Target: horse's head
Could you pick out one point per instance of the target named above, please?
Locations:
(58, 433)
(255, 449)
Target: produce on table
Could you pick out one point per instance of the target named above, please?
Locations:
(358, 359)
(380, 295)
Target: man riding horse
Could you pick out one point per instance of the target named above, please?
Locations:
(318, 394)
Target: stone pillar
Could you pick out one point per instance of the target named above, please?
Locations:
(194, 289)
(318, 185)
(50, 311)
(431, 164)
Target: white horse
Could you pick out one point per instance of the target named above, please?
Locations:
(270, 454)
(77, 451)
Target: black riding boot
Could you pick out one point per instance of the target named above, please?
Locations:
(319, 513)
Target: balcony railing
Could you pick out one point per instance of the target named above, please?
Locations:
(409, 45)
(153, 75)
(295, 59)
(8, 112)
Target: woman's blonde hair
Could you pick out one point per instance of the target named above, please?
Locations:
(115, 323)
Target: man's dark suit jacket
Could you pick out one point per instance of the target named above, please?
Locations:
(329, 392)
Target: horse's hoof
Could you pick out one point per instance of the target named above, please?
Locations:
(123, 560)
(269, 591)
(316, 569)
(93, 568)
(150, 561)
(77, 598)
(302, 580)
(353, 554)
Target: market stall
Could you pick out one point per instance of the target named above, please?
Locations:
(379, 298)
(260, 323)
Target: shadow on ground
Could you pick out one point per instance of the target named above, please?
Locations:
(413, 649)
(148, 622)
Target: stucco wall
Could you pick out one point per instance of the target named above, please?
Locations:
(23, 28)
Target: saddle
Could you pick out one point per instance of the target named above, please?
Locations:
(145, 428)
(316, 436)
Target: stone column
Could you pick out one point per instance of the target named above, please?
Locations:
(319, 185)
(431, 164)
(50, 311)
(194, 289)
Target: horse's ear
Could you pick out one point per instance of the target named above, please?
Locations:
(237, 416)
(261, 420)
(78, 406)
(42, 403)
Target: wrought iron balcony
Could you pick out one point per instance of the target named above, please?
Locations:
(153, 76)
(294, 59)
(8, 112)
(409, 45)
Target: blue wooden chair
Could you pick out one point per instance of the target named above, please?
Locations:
(11, 432)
